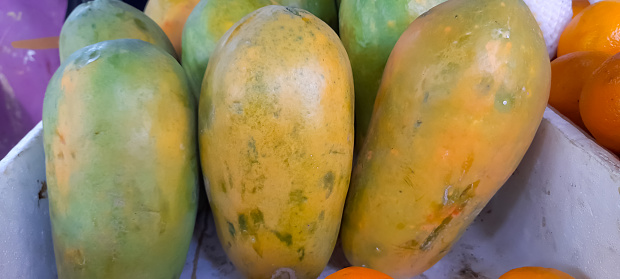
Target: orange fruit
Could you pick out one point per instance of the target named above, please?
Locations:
(356, 272)
(579, 5)
(568, 75)
(597, 27)
(535, 272)
(600, 104)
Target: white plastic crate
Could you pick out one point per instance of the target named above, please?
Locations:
(561, 209)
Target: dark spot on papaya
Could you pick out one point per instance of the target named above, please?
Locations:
(484, 86)
(243, 223)
(42, 192)
(140, 24)
(119, 15)
(73, 155)
(328, 183)
(286, 238)
(435, 233)
(93, 26)
(410, 245)
(223, 187)
(60, 155)
(426, 94)
(322, 215)
(257, 217)
(231, 230)
(297, 197)
(301, 252)
(418, 123)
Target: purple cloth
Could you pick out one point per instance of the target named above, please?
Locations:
(24, 73)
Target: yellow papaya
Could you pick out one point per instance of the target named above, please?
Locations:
(461, 97)
(119, 135)
(276, 141)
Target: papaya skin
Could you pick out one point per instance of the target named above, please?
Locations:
(210, 20)
(462, 96)
(276, 136)
(101, 20)
(369, 30)
(120, 146)
(171, 15)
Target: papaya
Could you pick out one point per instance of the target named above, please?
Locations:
(369, 30)
(171, 15)
(276, 138)
(462, 95)
(210, 20)
(119, 133)
(101, 20)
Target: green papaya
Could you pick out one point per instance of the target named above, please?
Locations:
(119, 135)
(101, 20)
(369, 30)
(210, 19)
(276, 139)
(461, 98)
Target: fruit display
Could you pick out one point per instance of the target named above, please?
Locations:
(372, 131)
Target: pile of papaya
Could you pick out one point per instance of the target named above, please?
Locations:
(388, 125)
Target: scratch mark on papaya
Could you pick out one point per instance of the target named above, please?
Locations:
(435, 233)
(231, 229)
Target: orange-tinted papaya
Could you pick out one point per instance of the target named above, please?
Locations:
(461, 98)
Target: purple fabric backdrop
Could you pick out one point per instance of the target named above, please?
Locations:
(24, 73)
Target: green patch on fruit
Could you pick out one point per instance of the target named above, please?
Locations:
(286, 238)
(297, 197)
(257, 217)
(328, 183)
(301, 252)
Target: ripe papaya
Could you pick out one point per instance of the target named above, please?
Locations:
(101, 20)
(212, 18)
(120, 147)
(369, 30)
(461, 98)
(276, 139)
(171, 15)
